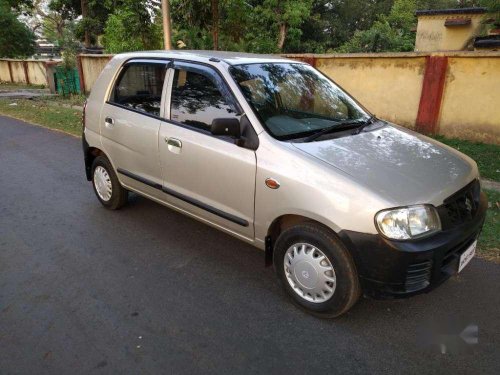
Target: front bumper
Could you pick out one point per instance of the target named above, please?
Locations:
(392, 269)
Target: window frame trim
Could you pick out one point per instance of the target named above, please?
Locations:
(147, 114)
(209, 71)
(118, 75)
(169, 62)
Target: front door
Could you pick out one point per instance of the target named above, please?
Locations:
(207, 176)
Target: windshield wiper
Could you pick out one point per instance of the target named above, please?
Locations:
(370, 121)
(339, 127)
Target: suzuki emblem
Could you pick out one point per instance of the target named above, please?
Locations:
(468, 204)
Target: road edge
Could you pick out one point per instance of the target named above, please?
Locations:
(40, 125)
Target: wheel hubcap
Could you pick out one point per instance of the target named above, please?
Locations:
(309, 272)
(102, 183)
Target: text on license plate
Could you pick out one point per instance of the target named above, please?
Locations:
(466, 256)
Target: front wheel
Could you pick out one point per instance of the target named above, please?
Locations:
(316, 270)
(107, 188)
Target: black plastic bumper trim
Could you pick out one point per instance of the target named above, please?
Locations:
(86, 158)
(185, 198)
(383, 264)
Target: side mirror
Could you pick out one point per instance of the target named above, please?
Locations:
(226, 126)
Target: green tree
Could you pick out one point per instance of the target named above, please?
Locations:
(282, 18)
(493, 18)
(236, 25)
(332, 22)
(447, 4)
(16, 39)
(391, 33)
(133, 28)
(20, 5)
(94, 14)
(69, 46)
(68, 9)
(53, 26)
(191, 23)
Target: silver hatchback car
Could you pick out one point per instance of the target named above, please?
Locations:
(273, 152)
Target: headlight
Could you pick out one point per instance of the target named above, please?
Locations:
(408, 222)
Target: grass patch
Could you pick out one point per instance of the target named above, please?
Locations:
(18, 86)
(39, 112)
(73, 99)
(486, 155)
(489, 241)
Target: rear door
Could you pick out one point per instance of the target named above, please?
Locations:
(130, 122)
(210, 177)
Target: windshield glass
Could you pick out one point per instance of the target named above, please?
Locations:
(294, 100)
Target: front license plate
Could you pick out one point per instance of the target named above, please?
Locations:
(466, 257)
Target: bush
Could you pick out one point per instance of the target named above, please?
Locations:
(391, 33)
(126, 30)
(16, 40)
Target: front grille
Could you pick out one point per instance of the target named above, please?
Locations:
(418, 275)
(460, 207)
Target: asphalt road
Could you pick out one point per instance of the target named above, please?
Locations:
(147, 290)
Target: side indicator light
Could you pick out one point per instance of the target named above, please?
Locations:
(271, 183)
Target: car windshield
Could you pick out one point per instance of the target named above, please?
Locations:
(294, 100)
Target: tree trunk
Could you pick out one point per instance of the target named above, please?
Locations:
(60, 29)
(84, 5)
(215, 24)
(281, 36)
(167, 29)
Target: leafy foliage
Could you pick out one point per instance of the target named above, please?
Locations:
(16, 40)
(493, 7)
(93, 24)
(262, 26)
(68, 9)
(389, 33)
(69, 45)
(282, 18)
(131, 28)
(245, 25)
(191, 24)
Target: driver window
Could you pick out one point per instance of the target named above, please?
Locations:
(196, 100)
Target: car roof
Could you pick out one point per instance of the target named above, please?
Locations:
(231, 58)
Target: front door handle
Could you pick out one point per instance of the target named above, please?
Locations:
(109, 122)
(174, 145)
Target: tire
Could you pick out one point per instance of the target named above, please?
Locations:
(312, 293)
(103, 173)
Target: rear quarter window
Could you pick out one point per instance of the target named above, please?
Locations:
(139, 87)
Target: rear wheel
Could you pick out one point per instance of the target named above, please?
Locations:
(316, 270)
(106, 185)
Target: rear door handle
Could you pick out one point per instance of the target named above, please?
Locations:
(174, 145)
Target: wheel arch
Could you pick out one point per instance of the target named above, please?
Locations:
(283, 222)
(90, 153)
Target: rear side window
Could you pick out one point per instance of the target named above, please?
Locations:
(139, 87)
(197, 101)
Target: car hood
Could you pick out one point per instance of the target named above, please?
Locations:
(399, 165)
